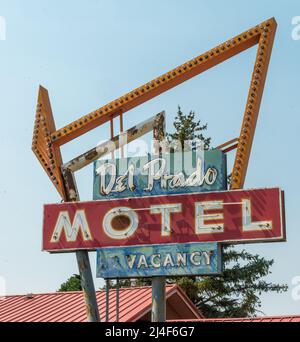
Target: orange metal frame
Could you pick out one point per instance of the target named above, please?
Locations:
(46, 139)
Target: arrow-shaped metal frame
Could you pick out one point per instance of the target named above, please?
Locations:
(46, 139)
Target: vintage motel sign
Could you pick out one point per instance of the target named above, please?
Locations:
(47, 139)
(151, 175)
(159, 260)
(237, 216)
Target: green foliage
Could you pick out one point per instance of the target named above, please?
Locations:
(188, 131)
(72, 284)
(235, 293)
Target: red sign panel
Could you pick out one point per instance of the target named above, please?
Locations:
(237, 216)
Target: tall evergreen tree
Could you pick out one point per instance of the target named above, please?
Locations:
(236, 292)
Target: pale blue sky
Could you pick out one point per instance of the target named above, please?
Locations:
(89, 52)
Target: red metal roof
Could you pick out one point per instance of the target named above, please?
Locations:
(135, 303)
(295, 319)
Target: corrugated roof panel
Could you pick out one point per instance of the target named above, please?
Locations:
(70, 306)
(263, 319)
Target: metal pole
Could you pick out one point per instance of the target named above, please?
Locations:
(112, 136)
(82, 257)
(158, 313)
(117, 300)
(121, 131)
(87, 284)
(107, 299)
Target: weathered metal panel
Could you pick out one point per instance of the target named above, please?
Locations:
(236, 216)
(116, 142)
(152, 175)
(159, 260)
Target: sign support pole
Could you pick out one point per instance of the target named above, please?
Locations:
(82, 257)
(88, 287)
(158, 313)
(117, 299)
(107, 300)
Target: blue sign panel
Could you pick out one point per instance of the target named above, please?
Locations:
(151, 175)
(159, 260)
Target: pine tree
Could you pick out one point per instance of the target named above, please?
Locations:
(236, 292)
(187, 131)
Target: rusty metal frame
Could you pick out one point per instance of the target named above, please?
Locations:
(228, 143)
(46, 139)
(48, 155)
(157, 122)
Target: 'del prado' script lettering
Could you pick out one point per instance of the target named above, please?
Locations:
(155, 171)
